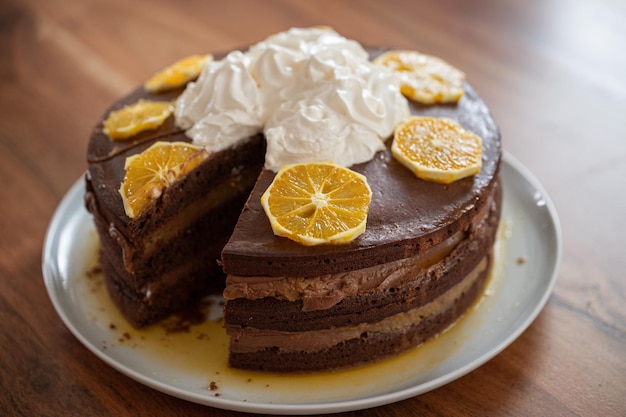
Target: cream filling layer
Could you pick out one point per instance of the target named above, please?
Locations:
(323, 292)
(249, 340)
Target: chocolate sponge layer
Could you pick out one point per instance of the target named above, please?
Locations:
(407, 215)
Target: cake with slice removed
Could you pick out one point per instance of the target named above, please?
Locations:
(420, 263)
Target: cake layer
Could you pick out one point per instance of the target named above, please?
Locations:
(407, 215)
(177, 289)
(106, 170)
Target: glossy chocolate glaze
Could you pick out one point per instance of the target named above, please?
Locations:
(106, 157)
(406, 214)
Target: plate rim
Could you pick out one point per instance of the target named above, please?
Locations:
(50, 271)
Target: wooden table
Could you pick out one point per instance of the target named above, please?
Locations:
(552, 71)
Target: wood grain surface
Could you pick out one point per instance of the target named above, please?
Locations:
(552, 71)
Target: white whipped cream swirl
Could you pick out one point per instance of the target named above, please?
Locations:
(313, 93)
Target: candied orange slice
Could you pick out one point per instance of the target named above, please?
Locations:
(151, 171)
(143, 115)
(177, 74)
(437, 149)
(425, 78)
(317, 203)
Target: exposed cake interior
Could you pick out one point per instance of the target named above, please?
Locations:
(166, 259)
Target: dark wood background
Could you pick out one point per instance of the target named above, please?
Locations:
(552, 71)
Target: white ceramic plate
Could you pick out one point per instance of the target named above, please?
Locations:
(192, 365)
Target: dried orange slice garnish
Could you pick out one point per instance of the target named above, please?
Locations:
(151, 171)
(317, 202)
(177, 74)
(143, 115)
(437, 149)
(425, 78)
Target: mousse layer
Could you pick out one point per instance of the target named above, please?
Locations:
(249, 339)
(388, 338)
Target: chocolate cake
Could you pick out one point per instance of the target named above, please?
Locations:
(421, 262)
